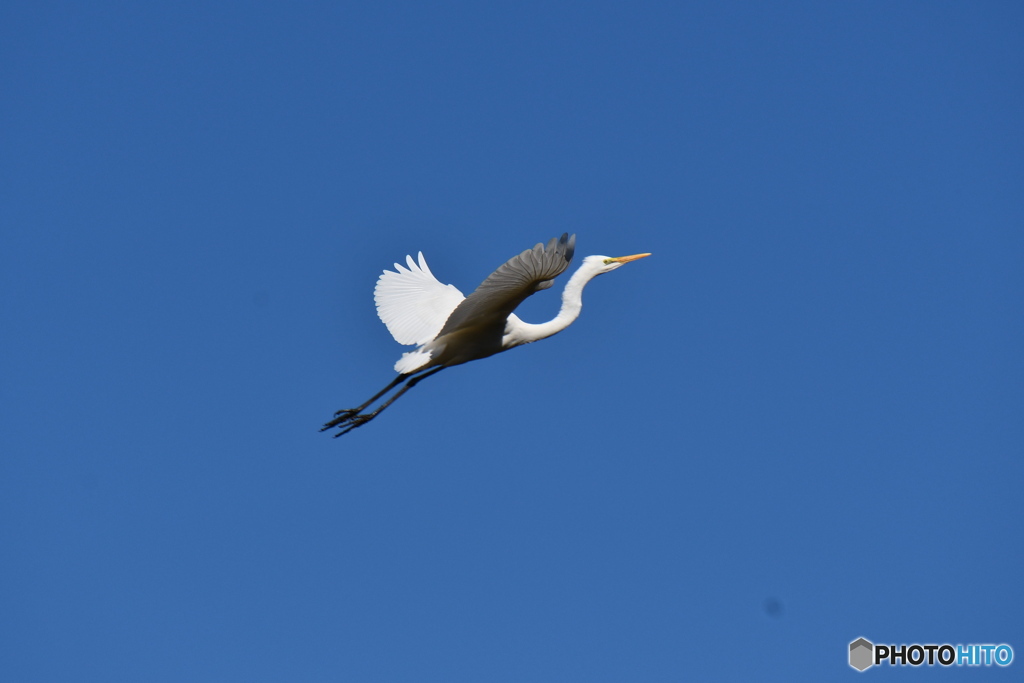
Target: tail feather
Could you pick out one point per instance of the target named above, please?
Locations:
(412, 361)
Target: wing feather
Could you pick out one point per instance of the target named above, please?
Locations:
(413, 303)
(507, 287)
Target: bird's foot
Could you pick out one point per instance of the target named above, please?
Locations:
(340, 417)
(353, 422)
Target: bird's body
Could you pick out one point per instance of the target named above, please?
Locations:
(449, 329)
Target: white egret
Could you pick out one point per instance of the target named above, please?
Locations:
(450, 329)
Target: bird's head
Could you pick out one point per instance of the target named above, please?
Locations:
(606, 264)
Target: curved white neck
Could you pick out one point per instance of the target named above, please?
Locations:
(518, 332)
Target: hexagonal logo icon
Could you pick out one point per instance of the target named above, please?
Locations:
(862, 654)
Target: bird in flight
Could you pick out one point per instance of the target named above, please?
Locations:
(449, 328)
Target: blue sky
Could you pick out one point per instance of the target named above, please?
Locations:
(797, 423)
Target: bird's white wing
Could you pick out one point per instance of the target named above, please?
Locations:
(413, 303)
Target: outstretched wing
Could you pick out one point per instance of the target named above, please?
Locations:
(507, 287)
(413, 303)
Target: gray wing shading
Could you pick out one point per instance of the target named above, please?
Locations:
(507, 287)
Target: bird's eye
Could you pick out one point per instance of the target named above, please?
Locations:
(609, 261)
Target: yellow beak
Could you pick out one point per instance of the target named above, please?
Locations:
(627, 259)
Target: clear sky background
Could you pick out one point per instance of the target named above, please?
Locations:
(799, 422)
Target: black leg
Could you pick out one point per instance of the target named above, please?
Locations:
(347, 420)
(347, 413)
(355, 411)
